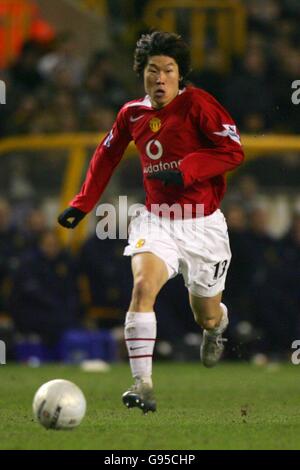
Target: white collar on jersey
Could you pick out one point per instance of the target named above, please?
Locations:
(147, 102)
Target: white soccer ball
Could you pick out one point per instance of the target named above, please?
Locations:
(59, 404)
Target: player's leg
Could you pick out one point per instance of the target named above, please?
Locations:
(207, 310)
(212, 316)
(150, 273)
(154, 261)
(206, 260)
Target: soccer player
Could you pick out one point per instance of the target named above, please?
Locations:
(186, 141)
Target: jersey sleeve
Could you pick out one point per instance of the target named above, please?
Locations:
(102, 165)
(223, 151)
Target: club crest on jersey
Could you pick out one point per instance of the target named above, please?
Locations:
(140, 243)
(155, 124)
(231, 132)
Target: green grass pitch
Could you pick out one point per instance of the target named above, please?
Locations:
(233, 406)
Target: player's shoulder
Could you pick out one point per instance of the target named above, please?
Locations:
(203, 102)
(133, 105)
(199, 95)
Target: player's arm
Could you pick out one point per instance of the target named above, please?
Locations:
(224, 151)
(103, 163)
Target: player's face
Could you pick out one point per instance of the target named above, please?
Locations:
(161, 80)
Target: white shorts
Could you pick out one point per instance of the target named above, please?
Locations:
(197, 248)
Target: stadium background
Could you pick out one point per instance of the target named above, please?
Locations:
(67, 66)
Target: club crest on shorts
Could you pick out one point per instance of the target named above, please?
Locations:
(140, 243)
(155, 124)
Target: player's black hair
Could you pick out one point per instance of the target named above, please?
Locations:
(162, 43)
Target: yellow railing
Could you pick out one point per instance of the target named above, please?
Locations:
(229, 20)
(94, 6)
(77, 145)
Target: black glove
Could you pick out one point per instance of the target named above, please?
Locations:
(168, 177)
(70, 217)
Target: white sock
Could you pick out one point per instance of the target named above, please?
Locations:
(223, 323)
(140, 336)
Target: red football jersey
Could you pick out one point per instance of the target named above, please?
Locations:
(193, 133)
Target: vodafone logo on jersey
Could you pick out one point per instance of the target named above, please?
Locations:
(173, 165)
(154, 149)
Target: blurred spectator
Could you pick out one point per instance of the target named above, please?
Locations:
(44, 298)
(212, 76)
(291, 8)
(6, 233)
(263, 261)
(34, 226)
(21, 120)
(288, 285)
(52, 90)
(134, 7)
(245, 191)
(236, 294)
(249, 82)
(21, 21)
(255, 123)
(256, 41)
(44, 122)
(248, 188)
(10, 237)
(278, 171)
(24, 72)
(68, 122)
(262, 16)
(102, 86)
(5, 213)
(20, 187)
(106, 280)
(99, 119)
(55, 76)
(287, 113)
(63, 57)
